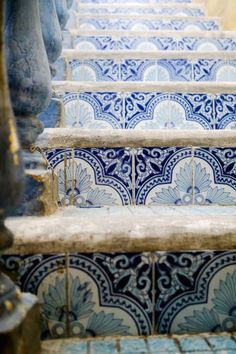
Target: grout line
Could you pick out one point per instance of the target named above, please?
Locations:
(154, 262)
(67, 290)
(133, 152)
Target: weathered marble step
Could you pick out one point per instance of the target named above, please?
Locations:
(145, 9)
(148, 105)
(146, 23)
(205, 41)
(125, 229)
(146, 66)
(97, 168)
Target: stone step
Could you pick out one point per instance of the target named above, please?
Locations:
(148, 105)
(98, 168)
(146, 23)
(203, 41)
(145, 66)
(126, 229)
(130, 268)
(144, 9)
(207, 344)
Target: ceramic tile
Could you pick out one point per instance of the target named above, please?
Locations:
(195, 292)
(164, 176)
(225, 111)
(114, 291)
(93, 110)
(174, 70)
(215, 176)
(87, 43)
(214, 70)
(94, 70)
(139, 1)
(103, 347)
(45, 276)
(150, 110)
(60, 70)
(138, 70)
(61, 161)
(165, 11)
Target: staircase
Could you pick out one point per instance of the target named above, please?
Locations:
(143, 239)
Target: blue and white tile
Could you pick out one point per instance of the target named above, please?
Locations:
(165, 11)
(93, 110)
(215, 176)
(214, 70)
(60, 68)
(102, 177)
(195, 292)
(61, 161)
(164, 176)
(225, 111)
(174, 70)
(94, 70)
(138, 70)
(45, 276)
(167, 111)
(90, 43)
(110, 294)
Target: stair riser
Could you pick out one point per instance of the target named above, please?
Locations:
(184, 24)
(146, 70)
(129, 293)
(186, 43)
(137, 1)
(149, 110)
(165, 11)
(98, 177)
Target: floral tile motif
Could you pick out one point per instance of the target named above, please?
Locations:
(94, 70)
(168, 111)
(93, 110)
(138, 70)
(162, 24)
(87, 43)
(195, 292)
(165, 11)
(44, 276)
(215, 176)
(225, 111)
(174, 70)
(214, 70)
(93, 177)
(110, 294)
(164, 176)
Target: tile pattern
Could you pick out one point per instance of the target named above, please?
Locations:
(152, 345)
(149, 110)
(90, 178)
(101, 294)
(148, 24)
(165, 11)
(186, 43)
(146, 70)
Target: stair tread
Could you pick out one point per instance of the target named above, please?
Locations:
(126, 229)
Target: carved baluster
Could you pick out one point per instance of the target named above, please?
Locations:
(18, 311)
(28, 69)
(30, 88)
(62, 12)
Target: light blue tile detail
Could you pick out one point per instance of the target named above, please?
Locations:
(194, 344)
(103, 347)
(162, 345)
(129, 346)
(74, 348)
(222, 343)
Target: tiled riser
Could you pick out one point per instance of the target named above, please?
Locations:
(99, 294)
(149, 110)
(108, 42)
(139, 1)
(148, 176)
(147, 11)
(140, 25)
(147, 70)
